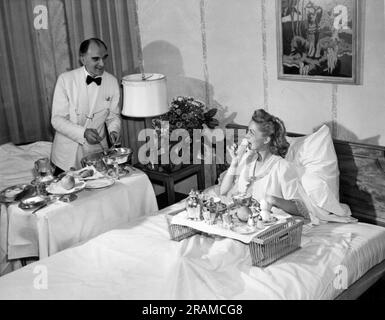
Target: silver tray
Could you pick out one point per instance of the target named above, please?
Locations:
(33, 202)
(99, 159)
(101, 183)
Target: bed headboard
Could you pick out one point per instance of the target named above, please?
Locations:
(362, 177)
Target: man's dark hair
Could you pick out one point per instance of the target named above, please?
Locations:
(86, 43)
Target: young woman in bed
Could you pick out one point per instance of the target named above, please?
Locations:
(260, 169)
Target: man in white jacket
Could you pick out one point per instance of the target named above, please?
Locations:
(85, 102)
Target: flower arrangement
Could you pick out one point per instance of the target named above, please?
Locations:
(185, 113)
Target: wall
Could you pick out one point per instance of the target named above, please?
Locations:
(224, 52)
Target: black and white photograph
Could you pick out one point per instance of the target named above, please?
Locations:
(194, 156)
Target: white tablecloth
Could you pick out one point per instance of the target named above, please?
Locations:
(63, 225)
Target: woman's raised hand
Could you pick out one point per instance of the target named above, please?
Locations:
(237, 151)
(232, 151)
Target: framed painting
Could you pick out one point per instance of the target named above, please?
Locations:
(319, 40)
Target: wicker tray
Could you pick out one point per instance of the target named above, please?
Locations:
(276, 242)
(178, 232)
(272, 244)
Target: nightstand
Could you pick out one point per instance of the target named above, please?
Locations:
(168, 179)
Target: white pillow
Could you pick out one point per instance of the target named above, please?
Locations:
(315, 158)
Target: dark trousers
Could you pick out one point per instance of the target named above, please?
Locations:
(57, 171)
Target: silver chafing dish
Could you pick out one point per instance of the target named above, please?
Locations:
(109, 157)
(120, 155)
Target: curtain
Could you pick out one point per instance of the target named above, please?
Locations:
(28, 65)
(114, 22)
(31, 59)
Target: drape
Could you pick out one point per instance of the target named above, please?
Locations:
(28, 67)
(114, 22)
(32, 58)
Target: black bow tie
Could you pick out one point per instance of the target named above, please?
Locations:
(98, 81)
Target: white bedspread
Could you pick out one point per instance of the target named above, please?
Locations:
(141, 262)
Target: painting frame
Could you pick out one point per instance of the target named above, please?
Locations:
(313, 47)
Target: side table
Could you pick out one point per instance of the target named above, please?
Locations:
(168, 179)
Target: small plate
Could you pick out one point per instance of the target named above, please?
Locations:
(95, 174)
(100, 183)
(243, 229)
(9, 194)
(273, 220)
(56, 188)
(33, 202)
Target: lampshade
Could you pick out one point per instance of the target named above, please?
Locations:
(144, 95)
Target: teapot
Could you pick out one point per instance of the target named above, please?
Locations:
(243, 213)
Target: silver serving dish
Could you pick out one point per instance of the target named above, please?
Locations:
(96, 160)
(100, 159)
(33, 202)
(120, 155)
(11, 194)
(217, 208)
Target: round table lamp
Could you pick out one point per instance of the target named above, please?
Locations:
(144, 95)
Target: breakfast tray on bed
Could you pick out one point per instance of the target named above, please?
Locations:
(267, 247)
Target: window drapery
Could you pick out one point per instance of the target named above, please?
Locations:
(29, 66)
(31, 59)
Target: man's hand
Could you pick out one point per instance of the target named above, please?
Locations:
(92, 136)
(114, 137)
(236, 153)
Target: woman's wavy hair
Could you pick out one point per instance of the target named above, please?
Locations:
(274, 128)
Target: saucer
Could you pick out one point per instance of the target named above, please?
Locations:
(273, 220)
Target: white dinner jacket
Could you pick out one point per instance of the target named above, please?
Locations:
(72, 113)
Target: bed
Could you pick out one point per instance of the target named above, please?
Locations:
(17, 162)
(139, 261)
